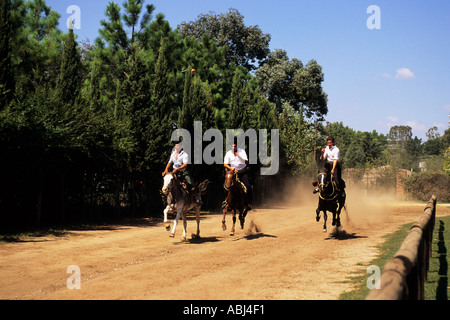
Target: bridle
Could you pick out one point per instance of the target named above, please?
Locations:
(324, 185)
(233, 181)
(170, 185)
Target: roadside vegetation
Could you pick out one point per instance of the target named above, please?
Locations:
(436, 286)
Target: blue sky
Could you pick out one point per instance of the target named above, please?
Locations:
(396, 75)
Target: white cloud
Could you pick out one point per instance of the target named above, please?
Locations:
(386, 75)
(392, 119)
(416, 126)
(404, 74)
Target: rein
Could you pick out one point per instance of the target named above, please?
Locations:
(232, 183)
(333, 194)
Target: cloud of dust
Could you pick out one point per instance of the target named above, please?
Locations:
(298, 192)
(364, 206)
(368, 207)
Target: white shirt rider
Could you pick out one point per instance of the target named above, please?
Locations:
(178, 159)
(332, 153)
(238, 161)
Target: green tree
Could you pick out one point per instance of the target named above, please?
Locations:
(309, 92)
(245, 45)
(434, 145)
(296, 139)
(356, 157)
(162, 115)
(284, 80)
(41, 52)
(404, 151)
(7, 83)
(68, 83)
(399, 135)
(135, 99)
(239, 101)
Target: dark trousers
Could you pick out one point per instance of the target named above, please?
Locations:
(186, 176)
(243, 177)
(337, 176)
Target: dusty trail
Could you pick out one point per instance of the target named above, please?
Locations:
(290, 258)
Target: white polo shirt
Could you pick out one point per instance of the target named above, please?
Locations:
(236, 162)
(180, 160)
(332, 154)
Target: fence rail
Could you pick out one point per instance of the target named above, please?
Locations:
(404, 275)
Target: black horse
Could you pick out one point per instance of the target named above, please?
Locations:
(330, 199)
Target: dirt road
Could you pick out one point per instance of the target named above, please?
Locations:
(289, 258)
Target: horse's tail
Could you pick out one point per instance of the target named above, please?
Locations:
(203, 186)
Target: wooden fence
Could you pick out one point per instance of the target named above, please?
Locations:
(404, 275)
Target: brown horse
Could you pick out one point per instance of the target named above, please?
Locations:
(236, 201)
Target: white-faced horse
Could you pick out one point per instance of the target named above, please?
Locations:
(181, 201)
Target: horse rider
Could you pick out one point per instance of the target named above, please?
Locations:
(179, 160)
(236, 160)
(332, 155)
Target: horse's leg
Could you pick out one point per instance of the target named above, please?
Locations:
(234, 223)
(325, 217)
(317, 214)
(177, 218)
(335, 222)
(197, 217)
(338, 220)
(224, 226)
(338, 216)
(333, 210)
(242, 215)
(166, 211)
(184, 214)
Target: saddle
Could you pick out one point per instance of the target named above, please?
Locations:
(193, 191)
(242, 184)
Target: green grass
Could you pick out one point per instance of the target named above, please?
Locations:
(387, 250)
(436, 287)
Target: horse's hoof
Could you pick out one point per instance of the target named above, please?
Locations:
(167, 226)
(318, 218)
(232, 233)
(195, 236)
(183, 239)
(324, 230)
(172, 235)
(224, 226)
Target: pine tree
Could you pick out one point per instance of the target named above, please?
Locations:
(135, 98)
(185, 117)
(161, 84)
(42, 50)
(239, 102)
(206, 107)
(6, 76)
(69, 81)
(162, 119)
